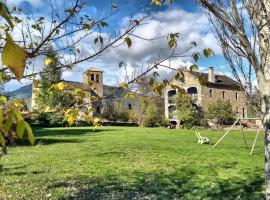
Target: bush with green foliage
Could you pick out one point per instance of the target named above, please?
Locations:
(221, 112)
(115, 112)
(153, 117)
(187, 111)
(49, 119)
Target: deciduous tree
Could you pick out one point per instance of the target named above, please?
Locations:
(243, 30)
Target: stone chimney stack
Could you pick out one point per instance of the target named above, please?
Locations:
(211, 75)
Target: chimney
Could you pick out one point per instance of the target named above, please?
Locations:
(211, 75)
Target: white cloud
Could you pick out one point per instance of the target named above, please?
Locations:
(34, 3)
(191, 26)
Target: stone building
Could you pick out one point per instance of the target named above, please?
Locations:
(93, 85)
(206, 88)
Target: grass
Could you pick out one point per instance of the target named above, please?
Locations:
(132, 163)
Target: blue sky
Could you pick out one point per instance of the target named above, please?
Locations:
(184, 16)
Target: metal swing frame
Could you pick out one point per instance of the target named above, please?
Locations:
(236, 121)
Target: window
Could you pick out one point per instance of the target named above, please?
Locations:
(97, 78)
(243, 114)
(223, 94)
(210, 93)
(237, 111)
(92, 77)
(236, 95)
(192, 90)
(171, 93)
(98, 110)
(129, 106)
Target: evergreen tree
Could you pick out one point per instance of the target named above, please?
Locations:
(51, 75)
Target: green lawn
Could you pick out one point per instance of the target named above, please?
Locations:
(132, 163)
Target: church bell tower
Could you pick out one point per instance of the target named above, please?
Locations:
(94, 78)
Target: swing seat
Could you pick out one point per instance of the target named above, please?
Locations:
(202, 139)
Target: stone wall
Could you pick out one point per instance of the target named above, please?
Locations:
(94, 79)
(203, 95)
(229, 95)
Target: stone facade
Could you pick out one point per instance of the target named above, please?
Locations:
(93, 85)
(206, 88)
(91, 88)
(236, 97)
(93, 77)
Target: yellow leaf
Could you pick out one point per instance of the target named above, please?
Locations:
(96, 122)
(5, 14)
(47, 109)
(3, 99)
(20, 128)
(93, 98)
(9, 121)
(130, 95)
(74, 113)
(88, 118)
(61, 86)
(68, 111)
(70, 120)
(1, 118)
(123, 85)
(48, 61)
(29, 131)
(14, 57)
(128, 41)
(157, 2)
(18, 115)
(90, 109)
(193, 67)
(2, 140)
(79, 92)
(18, 104)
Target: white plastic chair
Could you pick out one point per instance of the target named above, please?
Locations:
(201, 139)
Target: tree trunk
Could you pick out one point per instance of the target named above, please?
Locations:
(266, 124)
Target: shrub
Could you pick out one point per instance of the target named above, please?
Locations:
(49, 119)
(221, 112)
(115, 112)
(187, 111)
(154, 118)
(134, 116)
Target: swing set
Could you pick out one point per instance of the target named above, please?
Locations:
(236, 121)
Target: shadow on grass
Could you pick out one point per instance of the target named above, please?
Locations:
(21, 173)
(21, 170)
(69, 131)
(48, 141)
(44, 141)
(184, 184)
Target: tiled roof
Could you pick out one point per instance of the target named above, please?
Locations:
(221, 81)
(71, 85)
